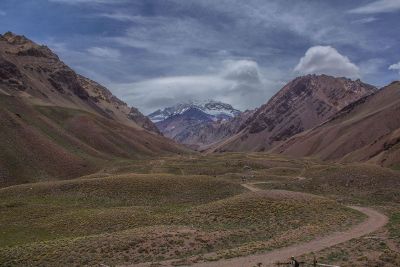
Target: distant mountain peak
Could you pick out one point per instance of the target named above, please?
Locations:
(215, 109)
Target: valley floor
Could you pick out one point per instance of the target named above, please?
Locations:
(206, 210)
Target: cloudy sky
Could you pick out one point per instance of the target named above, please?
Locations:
(154, 53)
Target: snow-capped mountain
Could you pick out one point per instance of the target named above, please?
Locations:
(198, 123)
(215, 109)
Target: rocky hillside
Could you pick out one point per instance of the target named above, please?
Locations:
(300, 105)
(114, 107)
(56, 123)
(34, 72)
(367, 130)
(200, 130)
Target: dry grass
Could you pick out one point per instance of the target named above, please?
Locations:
(44, 211)
(161, 208)
(355, 184)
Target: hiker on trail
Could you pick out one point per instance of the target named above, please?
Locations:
(294, 262)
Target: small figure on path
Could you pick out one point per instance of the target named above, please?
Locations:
(294, 262)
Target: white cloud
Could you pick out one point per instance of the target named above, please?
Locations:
(326, 60)
(237, 82)
(242, 71)
(395, 67)
(118, 16)
(104, 52)
(365, 20)
(380, 6)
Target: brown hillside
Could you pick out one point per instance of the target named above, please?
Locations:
(300, 105)
(368, 130)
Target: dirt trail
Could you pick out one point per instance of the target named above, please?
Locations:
(252, 188)
(374, 222)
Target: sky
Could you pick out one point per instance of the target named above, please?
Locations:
(156, 53)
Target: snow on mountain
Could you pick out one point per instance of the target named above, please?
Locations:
(217, 110)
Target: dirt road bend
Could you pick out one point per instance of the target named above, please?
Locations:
(374, 222)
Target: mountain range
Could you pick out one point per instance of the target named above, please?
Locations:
(300, 105)
(58, 124)
(215, 110)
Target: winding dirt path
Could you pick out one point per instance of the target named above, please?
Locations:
(374, 222)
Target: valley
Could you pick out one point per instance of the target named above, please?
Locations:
(186, 209)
